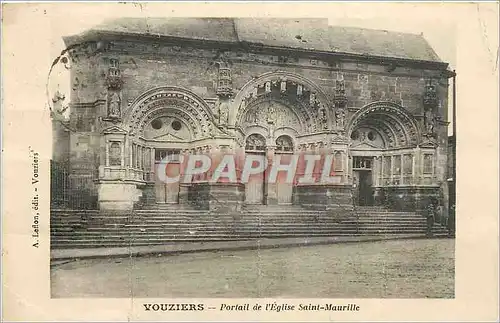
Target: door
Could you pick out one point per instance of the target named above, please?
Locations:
(167, 192)
(284, 190)
(172, 189)
(254, 189)
(365, 188)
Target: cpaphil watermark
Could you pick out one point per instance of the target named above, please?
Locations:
(234, 168)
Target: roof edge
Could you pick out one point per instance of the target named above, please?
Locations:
(96, 35)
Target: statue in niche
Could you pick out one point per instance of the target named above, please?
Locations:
(312, 98)
(251, 117)
(271, 130)
(271, 113)
(283, 86)
(299, 90)
(223, 113)
(323, 117)
(115, 154)
(255, 91)
(268, 87)
(340, 118)
(429, 122)
(114, 103)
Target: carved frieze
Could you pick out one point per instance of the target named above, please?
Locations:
(224, 77)
(114, 79)
(271, 114)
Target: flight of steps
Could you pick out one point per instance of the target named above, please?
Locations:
(171, 223)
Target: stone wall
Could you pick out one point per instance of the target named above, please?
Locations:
(144, 66)
(196, 70)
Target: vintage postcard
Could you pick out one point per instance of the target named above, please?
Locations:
(250, 161)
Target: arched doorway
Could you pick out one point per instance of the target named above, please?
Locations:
(366, 144)
(284, 151)
(255, 144)
(167, 131)
(383, 144)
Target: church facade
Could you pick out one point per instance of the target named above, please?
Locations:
(146, 91)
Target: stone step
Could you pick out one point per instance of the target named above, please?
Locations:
(260, 215)
(193, 230)
(75, 229)
(85, 242)
(244, 222)
(179, 226)
(117, 241)
(200, 221)
(193, 237)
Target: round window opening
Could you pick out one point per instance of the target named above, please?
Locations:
(354, 135)
(156, 124)
(176, 125)
(372, 135)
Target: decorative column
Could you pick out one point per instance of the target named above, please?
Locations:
(152, 171)
(430, 110)
(183, 187)
(107, 153)
(122, 154)
(340, 102)
(148, 192)
(270, 193)
(224, 92)
(378, 194)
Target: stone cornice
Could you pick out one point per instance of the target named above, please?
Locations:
(390, 62)
(87, 105)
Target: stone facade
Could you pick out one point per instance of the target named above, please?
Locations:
(135, 97)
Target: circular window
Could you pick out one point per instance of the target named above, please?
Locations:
(156, 124)
(354, 135)
(176, 125)
(372, 135)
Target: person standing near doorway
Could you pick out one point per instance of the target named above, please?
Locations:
(431, 213)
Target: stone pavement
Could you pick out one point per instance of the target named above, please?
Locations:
(63, 254)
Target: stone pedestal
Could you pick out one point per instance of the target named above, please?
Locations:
(184, 193)
(220, 197)
(405, 198)
(270, 195)
(148, 194)
(323, 196)
(118, 195)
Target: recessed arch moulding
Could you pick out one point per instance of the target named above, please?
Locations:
(397, 126)
(310, 109)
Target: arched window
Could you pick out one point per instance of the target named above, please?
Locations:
(284, 143)
(115, 154)
(255, 142)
